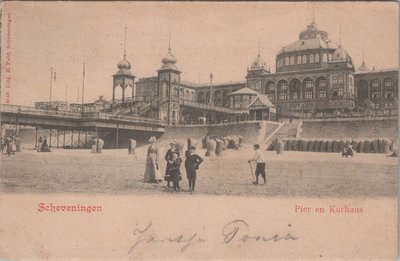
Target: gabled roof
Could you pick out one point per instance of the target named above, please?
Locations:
(244, 91)
(263, 100)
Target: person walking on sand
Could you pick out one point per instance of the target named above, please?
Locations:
(168, 158)
(175, 172)
(192, 163)
(39, 144)
(45, 146)
(152, 172)
(258, 158)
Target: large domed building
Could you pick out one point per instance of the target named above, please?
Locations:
(314, 77)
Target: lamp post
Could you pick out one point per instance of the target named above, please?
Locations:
(211, 89)
(52, 77)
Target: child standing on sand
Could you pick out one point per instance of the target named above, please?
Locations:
(192, 163)
(174, 170)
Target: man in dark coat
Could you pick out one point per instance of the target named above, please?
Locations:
(192, 163)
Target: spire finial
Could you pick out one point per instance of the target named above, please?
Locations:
(169, 30)
(340, 35)
(363, 55)
(125, 43)
(313, 13)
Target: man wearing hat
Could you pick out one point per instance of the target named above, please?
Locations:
(168, 157)
(258, 158)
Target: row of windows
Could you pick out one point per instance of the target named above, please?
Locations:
(241, 101)
(309, 83)
(386, 83)
(337, 78)
(304, 59)
(308, 95)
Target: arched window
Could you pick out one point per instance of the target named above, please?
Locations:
(282, 90)
(193, 96)
(187, 94)
(362, 91)
(269, 87)
(287, 61)
(282, 85)
(294, 89)
(292, 60)
(340, 78)
(375, 84)
(388, 88)
(200, 97)
(322, 82)
(304, 59)
(330, 57)
(299, 59)
(388, 83)
(324, 58)
(317, 57)
(311, 58)
(308, 83)
(334, 79)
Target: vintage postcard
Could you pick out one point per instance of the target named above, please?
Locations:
(199, 130)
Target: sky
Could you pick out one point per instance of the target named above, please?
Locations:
(206, 37)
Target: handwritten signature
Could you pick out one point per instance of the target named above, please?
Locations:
(145, 238)
(234, 231)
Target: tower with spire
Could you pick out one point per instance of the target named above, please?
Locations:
(168, 87)
(363, 67)
(123, 78)
(257, 70)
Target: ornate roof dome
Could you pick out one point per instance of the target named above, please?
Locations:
(340, 54)
(311, 38)
(124, 64)
(258, 63)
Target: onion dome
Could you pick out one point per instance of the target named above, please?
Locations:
(124, 64)
(169, 60)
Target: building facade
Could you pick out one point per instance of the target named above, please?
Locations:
(314, 77)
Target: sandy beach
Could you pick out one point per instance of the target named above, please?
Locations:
(292, 174)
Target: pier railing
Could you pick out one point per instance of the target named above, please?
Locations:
(39, 112)
(76, 115)
(131, 119)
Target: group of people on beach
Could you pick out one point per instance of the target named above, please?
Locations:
(173, 167)
(9, 145)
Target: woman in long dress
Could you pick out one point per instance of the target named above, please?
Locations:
(152, 172)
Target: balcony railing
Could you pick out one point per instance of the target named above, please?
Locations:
(130, 119)
(204, 106)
